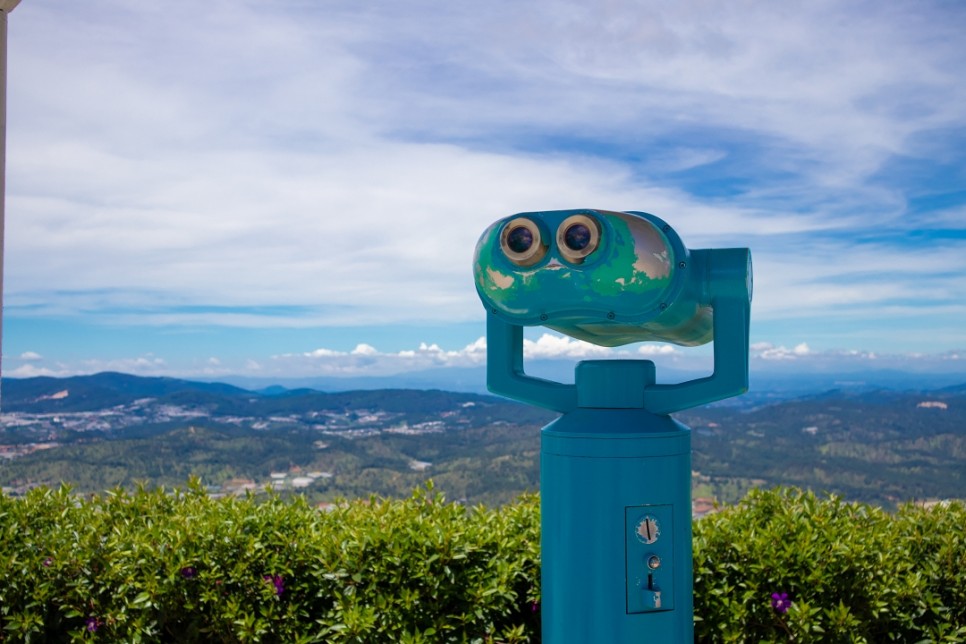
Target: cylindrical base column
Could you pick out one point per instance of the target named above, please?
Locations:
(616, 528)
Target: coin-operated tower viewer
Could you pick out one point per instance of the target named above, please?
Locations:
(615, 468)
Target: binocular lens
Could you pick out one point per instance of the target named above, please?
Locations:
(577, 237)
(519, 239)
(522, 243)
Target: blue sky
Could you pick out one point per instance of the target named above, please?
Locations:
(295, 188)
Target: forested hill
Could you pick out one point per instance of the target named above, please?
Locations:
(103, 391)
(112, 429)
(881, 446)
(109, 429)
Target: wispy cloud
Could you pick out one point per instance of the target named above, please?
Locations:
(548, 348)
(297, 166)
(767, 351)
(147, 365)
(366, 359)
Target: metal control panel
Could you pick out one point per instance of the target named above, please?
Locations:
(649, 557)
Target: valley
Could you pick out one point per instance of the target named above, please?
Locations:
(106, 430)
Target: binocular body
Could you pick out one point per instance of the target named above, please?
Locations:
(609, 278)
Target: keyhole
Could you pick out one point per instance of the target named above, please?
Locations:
(648, 530)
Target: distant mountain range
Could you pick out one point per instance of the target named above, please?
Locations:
(100, 391)
(864, 442)
(767, 382)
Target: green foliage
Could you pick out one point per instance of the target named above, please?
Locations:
(155, 565)
(853, 572)
(181, 566)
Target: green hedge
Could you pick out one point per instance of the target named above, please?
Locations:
(850, 572)
(155, 566)
(181, 566)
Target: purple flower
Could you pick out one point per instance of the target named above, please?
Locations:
(188, 572)
(780, 602)
(93, 624)
(278, 582)
(48, 562)
(534, 607)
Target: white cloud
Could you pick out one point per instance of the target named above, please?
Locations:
(364, 350)
(293, 166)
(31, 356)
(34, 371)
(769, 352)
(367, 360)
(146, 365)
(552, 346)
(824, 79)
(835, 280)
(324, 353)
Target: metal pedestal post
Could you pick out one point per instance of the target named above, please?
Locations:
(616, 528)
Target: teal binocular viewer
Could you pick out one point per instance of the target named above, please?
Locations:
(615, 468)
(611, 278)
